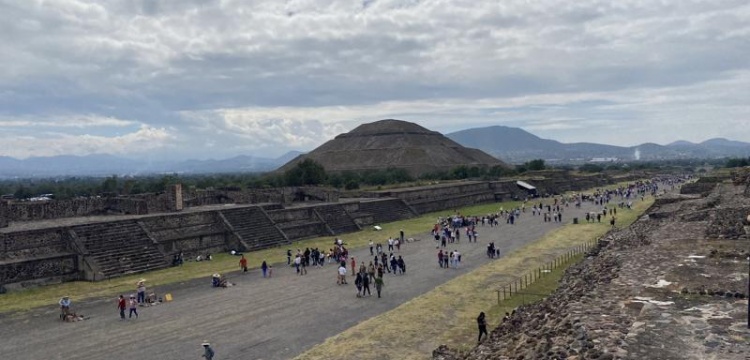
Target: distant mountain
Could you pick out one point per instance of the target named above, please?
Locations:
(105, 165)
(283, 159)
(517, 145)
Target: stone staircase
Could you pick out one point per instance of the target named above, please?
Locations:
(384, 211)
(337, 219)
(119, 248)
(254, 227)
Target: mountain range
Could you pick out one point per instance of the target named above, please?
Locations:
(513, 145)
(105, 165)
(516, 145)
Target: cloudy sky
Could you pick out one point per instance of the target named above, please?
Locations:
(218, 78)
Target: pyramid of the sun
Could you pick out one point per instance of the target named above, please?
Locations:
(397, 144)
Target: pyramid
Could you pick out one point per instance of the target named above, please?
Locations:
(397, 144)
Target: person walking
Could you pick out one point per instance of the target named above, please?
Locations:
(342, 275)
(371, 271)
(358, 282)
(379, 284)
(121, 306)
(208, 352)
(133, 307)
(366, 284)
(482, 323)
(354, 268)
(264, 268)
(243, 263)
(371, 252)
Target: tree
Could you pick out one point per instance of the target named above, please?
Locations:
(737, 162)
(535, 165)
(591, 168)
(307, 172)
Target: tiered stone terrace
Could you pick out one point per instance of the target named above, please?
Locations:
(119, 248)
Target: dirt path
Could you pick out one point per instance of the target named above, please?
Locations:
(275, 318)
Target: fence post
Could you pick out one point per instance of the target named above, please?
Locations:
(503, 292)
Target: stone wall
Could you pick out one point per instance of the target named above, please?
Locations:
(424, 206)
(191, 233)
(701, 188)
(31, 244)
(727, 223)
(3, 214)
(38, 271)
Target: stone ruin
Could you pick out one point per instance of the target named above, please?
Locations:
(56, 241)
(667, 287)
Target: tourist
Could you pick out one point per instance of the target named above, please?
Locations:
(401, 232)
(390, 244)
(243, 263)
(358, 283)
(366, 284)
(379, 283)
(394, 264)
(384, 261)
(270, 271)
(440, 258)
(380, 271)
(397, 242)
(208, 352)
(133, 307)
(341, 280)
(289, 257)
(482, 322)
(303, 267)
(371, 249)
(264, 268)
(121, 306)
(354, 264)
(298, 263)
(401, 265)
(371, 270)
(64, 306)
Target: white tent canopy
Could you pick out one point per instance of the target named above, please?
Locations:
(525, 185)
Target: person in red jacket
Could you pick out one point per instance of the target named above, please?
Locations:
(121, 304)
(353, 266)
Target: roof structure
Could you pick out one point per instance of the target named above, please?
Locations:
(394, 143)
(525, 185)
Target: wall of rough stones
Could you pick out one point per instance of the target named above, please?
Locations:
(697, 188)
(3, 214)
(727, 223)
(31, 244)
(190, 233)
(36, 257)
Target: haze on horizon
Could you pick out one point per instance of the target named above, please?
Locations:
(177, 79)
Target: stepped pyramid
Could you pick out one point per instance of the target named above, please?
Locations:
(394, 143)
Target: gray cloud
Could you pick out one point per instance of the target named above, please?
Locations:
(216, 79)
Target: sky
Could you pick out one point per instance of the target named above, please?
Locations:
(178, 79)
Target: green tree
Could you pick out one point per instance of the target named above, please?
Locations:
(590, 168)
(307, 172)
(535, 165)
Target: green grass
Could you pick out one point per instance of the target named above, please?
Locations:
(446, 315)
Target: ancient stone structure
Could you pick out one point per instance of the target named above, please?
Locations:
(3, 214)
(132, 239)
(670, 286)
(394, 143)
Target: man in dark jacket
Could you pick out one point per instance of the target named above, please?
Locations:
(208, 352)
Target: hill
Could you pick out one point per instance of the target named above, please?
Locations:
(517, 145)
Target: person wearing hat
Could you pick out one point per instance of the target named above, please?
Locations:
(141, 290)
(208, 352)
